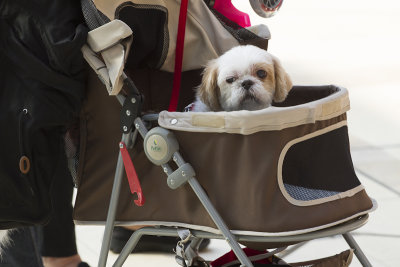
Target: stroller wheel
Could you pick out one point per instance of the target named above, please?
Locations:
(266, 8)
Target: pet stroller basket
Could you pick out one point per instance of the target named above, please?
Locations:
(258, 174)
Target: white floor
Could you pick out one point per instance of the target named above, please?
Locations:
(353, 44)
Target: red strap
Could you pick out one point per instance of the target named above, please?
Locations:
(133, 180)
(173, 103)
(230, 256)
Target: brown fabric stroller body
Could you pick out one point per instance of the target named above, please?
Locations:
(267, 178)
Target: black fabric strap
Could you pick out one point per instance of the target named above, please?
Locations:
(92, 16)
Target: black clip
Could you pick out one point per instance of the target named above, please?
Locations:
(132, 106)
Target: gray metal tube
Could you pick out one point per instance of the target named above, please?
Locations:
(112, 208)
(219, 222)
(202, 196)
(336, 230)
(166, 231)
(134, 239)
(357, 250)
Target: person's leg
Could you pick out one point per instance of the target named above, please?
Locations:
(23, 248)
(59, 243)
(59, 234)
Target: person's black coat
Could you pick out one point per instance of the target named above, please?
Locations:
(42, 82)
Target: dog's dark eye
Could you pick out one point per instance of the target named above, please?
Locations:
(261, 74)
(230, 79)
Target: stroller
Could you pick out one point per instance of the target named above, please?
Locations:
(249, 177)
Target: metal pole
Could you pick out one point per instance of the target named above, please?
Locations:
(219, 222)
(129, 246)
(357, 250)
(112, 209)
(202, 196)
(135, 237)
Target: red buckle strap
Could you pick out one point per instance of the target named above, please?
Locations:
(180, 40)
(133, 180)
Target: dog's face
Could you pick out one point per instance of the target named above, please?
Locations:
(244, 78)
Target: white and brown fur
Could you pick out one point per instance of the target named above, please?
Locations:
(244, 78)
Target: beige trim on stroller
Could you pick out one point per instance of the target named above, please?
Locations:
(348, 193)
(250, 122)
(112, 41)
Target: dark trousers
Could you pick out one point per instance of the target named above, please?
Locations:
(24, 248)
(59, 233)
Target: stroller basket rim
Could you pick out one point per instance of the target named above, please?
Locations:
(270, 119)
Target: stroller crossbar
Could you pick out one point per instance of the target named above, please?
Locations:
(170, 231)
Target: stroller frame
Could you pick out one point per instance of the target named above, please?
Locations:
(129, 137)
(132, 125)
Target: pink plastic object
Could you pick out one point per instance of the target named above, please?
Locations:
(226, 8)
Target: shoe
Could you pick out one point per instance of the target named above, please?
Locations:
(147, 243)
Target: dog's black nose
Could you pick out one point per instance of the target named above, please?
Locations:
(247, 84)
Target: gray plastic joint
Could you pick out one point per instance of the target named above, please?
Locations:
(180, 176)
(159, 145)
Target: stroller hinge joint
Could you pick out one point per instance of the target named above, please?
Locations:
(130, 111)
(180, 176)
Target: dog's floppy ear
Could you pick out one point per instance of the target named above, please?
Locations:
(208, 92)
(283, 83)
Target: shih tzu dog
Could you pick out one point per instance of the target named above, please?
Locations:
(244, 78)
